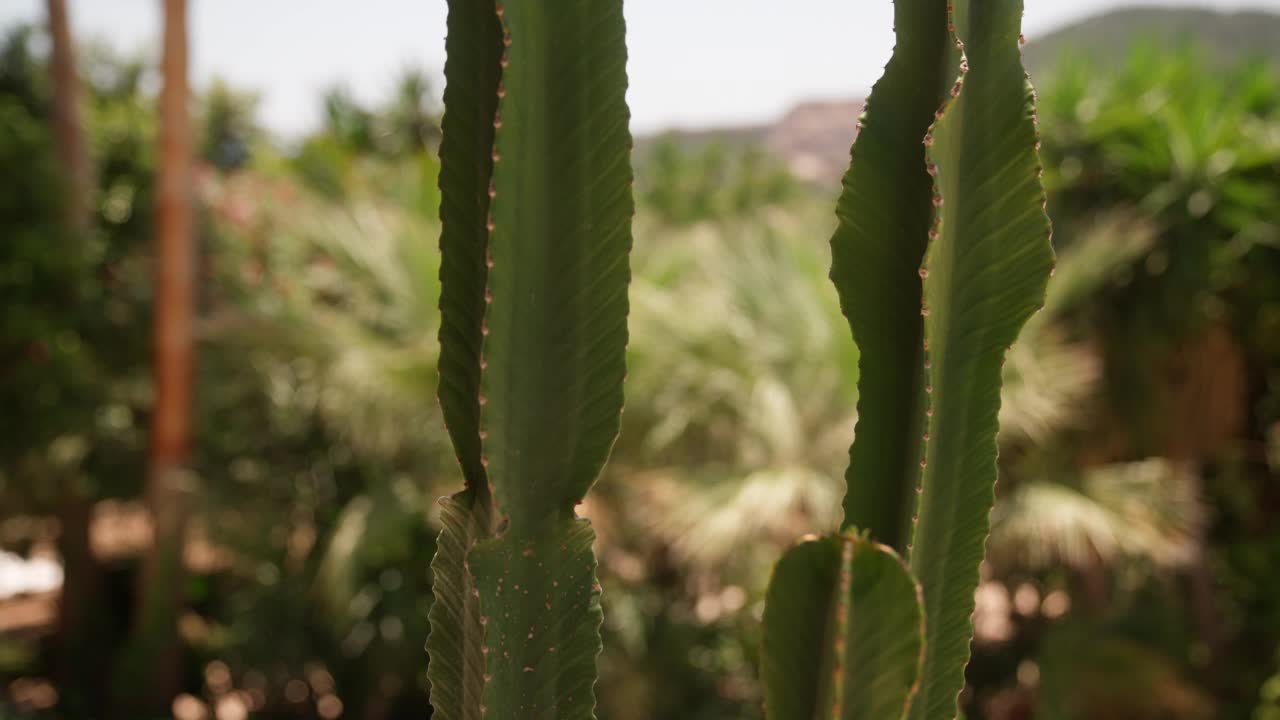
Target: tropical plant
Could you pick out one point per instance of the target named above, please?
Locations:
(744, 400)
(161, 587)
(1197, 154)
(536, 230)
(682, 183)
(228, 128)
(72, 358)
(940, 257)
(320, 334)
(1269, 702)
(1185, 326)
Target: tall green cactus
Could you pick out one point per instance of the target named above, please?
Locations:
(536, 212)
(844, 631)
(941, 255)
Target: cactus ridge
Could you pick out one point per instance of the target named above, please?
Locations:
(941, 255)
(537, 354)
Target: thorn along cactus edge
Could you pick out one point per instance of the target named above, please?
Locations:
(536, 213)
(941, 254)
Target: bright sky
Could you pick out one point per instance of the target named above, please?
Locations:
(693, 63)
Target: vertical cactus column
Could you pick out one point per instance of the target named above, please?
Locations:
(941, 255)
(885, 213)
(985, 275)
(536, 213)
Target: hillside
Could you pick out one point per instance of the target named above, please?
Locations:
(1110, 36)
(813, 138)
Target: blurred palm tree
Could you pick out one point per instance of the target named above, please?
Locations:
(743, 402)
(347, 121)
(412, 119)
(1051, 510)
(333, 307)
(229, 128)
(742, 389)
(1196, 153)
(1084, 671)
(1148, 510)
(686, 181)
(1269, 698)
(743, 384)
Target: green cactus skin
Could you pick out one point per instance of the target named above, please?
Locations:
(941, 256)
(985, 276)
(532, 389)
(472, 73)
(885, 212)
(843, 632)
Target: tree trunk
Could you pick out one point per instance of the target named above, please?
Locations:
(155, 660)
(67, 125)
(77, 652)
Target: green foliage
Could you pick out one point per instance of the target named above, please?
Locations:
(316, 453)
(1269, 700)
(39, 288)
(229, 130)
(533, 357)
(347, 121)
(746, 399)
(405, 124)
(686, 183)
(1195, 152)
(319, 337)
(69, 320)
(1147, 509)
(1109, 38)
(411, 123)
(399, 131)
(1125, 679)
(316, 345)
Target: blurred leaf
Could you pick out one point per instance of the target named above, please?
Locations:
(1148, 510)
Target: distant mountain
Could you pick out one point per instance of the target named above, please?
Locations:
(813, 138)
(1110, 36)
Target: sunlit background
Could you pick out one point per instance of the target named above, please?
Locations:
(699, 63)
(1133, 565)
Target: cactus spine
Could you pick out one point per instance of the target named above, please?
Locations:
(941, 255)
(536, 213)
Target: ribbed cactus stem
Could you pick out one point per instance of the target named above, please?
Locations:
(941, 255)
(533, 386)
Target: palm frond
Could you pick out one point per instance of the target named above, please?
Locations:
(1148, 510)
(1095, 259)
(1048, 384)
(350, 313)
(742, 386)
(1050, 378)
